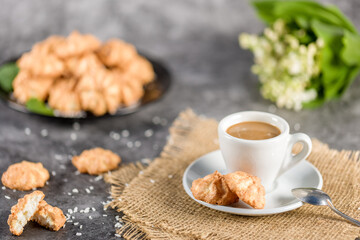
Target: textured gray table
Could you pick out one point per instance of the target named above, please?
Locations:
(197, 40)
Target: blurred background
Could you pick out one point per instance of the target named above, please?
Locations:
(198, 42)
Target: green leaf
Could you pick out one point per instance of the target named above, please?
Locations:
(37, 106)
(8, 73)
(271, 10)
(351, 51)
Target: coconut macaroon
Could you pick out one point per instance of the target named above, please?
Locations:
(25, 176)
(23, 211)
(213, 189)
(247, 187)
(96, 161)
(48, 216)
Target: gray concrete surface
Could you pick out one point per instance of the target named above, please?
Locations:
(197, 40)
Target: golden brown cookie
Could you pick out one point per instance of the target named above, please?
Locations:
(48, 216)
(213, 189)
(25, 176)
(41, 65)
(27, 86)
(84, 64)
(140, 68)
(22, 212)
(96, 161)
(63, 97)
(247, 187)
(77, 44)
(116, 53)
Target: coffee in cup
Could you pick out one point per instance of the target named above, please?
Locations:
(259, 143)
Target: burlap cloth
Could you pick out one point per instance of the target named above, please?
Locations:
(156, 206)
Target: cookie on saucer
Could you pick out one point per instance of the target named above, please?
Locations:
(213, 189)
(247, 187)
(25, 176)
(96, 161)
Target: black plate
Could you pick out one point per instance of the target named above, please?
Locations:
(153, 91)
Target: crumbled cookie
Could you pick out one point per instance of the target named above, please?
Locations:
(48, 216)
(96, 161)
(116, 53)
(247, 187)
(25, 176)
(213, 189)
(23, 211)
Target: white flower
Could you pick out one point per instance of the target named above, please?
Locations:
(284, 66)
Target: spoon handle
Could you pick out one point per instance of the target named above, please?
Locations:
(354, 221)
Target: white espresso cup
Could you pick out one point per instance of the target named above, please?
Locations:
(267, 158)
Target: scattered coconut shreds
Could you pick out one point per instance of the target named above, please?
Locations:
(75, 190)
(64, 226)
(90, 217)
(53, 173)
(44, 132)
(93, 209)
(27, 131)
(170, 176)
(7, 197)
(146, 160)
(87, 190)
(148, 133)
(98, 178)
(73, 136)
(117, 235)
(34, 188)
(14, 190)
(75, 209)
(72, 217)
(114, 135)
(125, 133)
(86, 210)
(70, 211)
(91, 188)
(69, 193)
(76, 223)
(104, 215)
(77, 173)
(78, 234)
(58, 157)
(117, 217)
(47, 183)
(80, 226)
(76, 126)
(117, 225)
(156, 120)
(129, 144)
(3, 187)
(152, 180)
(137, 144)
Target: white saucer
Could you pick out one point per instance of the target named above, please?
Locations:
(278, 200)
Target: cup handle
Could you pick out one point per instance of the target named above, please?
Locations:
(306, 150)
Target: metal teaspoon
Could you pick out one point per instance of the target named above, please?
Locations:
(317, 197)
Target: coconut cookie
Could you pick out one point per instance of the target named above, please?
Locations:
(247, 187)
(48, 216)
(213, 189)
(96, 161)
(23, 211)
(25, 176)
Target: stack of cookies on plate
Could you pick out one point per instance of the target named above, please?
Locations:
(80, 73)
